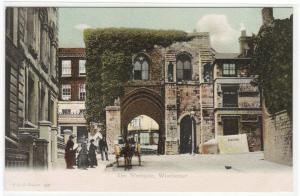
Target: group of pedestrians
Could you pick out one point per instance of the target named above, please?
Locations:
(87, 155)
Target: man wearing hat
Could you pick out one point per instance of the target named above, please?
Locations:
(70, 153)
(92, 154)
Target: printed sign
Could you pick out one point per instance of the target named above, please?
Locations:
(233, 144)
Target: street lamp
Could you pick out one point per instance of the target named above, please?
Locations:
(192, 113)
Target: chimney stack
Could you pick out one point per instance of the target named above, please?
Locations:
(243, 33)
(267, 15)
(244, 43)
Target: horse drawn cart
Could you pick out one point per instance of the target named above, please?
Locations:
(127, 151)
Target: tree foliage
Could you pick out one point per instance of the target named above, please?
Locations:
(273, 63)
(109, 54)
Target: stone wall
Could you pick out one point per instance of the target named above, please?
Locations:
(278, 138)
(113, 126)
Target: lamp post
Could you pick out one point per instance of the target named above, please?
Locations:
(192, 113)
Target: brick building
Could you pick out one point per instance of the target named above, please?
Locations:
(31, 87)
(71, 105)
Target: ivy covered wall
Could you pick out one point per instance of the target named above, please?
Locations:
(109, 54)
(273, 63)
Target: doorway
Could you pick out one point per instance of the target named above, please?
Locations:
(186, 135)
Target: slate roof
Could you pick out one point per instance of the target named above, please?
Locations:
(227, 55)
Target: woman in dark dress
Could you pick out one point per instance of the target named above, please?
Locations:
(70, 153)
(83, 161)
(92, 154)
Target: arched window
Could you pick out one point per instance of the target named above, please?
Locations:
(141, 68)
(183, 67)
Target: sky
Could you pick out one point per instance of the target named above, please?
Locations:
(223, 24)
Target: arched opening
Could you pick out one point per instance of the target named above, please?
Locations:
(146, 102)
(187, 127)
(145, 131)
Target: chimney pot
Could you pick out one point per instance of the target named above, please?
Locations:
(267, 15)
(243, 33)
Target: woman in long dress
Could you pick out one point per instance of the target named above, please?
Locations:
(83, 161)
(70, 153)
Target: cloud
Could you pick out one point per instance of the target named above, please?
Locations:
(224, 38)
(81, 27)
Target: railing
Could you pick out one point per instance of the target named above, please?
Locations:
(16, 158)
(60, 146)
(73, 115)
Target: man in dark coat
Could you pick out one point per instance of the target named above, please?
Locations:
(103, 147)
(92, 154)
(70, 153)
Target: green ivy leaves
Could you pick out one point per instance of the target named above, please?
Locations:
(273, 62)
(109, 54)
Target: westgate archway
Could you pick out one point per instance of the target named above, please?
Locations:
(143, 101)
(144, 130)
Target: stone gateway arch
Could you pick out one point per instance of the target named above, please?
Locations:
(143, 101)
(166, 85)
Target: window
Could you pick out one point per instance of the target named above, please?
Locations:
(9, 22)
(230, 96)
(230, 126)
(207, 73)
(66, 128)
(31, 100)
(144, 138)
(82, 67)
(82, 134)
(66, 92)
(170, 72)
(229, 69)
(66, 68)
(66, 111)
(82, 92)
(12, 24)
(81, 111)
(141, 68)
(183, 67)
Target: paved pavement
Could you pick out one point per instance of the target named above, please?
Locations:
(249, 172)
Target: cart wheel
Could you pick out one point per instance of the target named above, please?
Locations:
(117, 161)
(140, 162)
